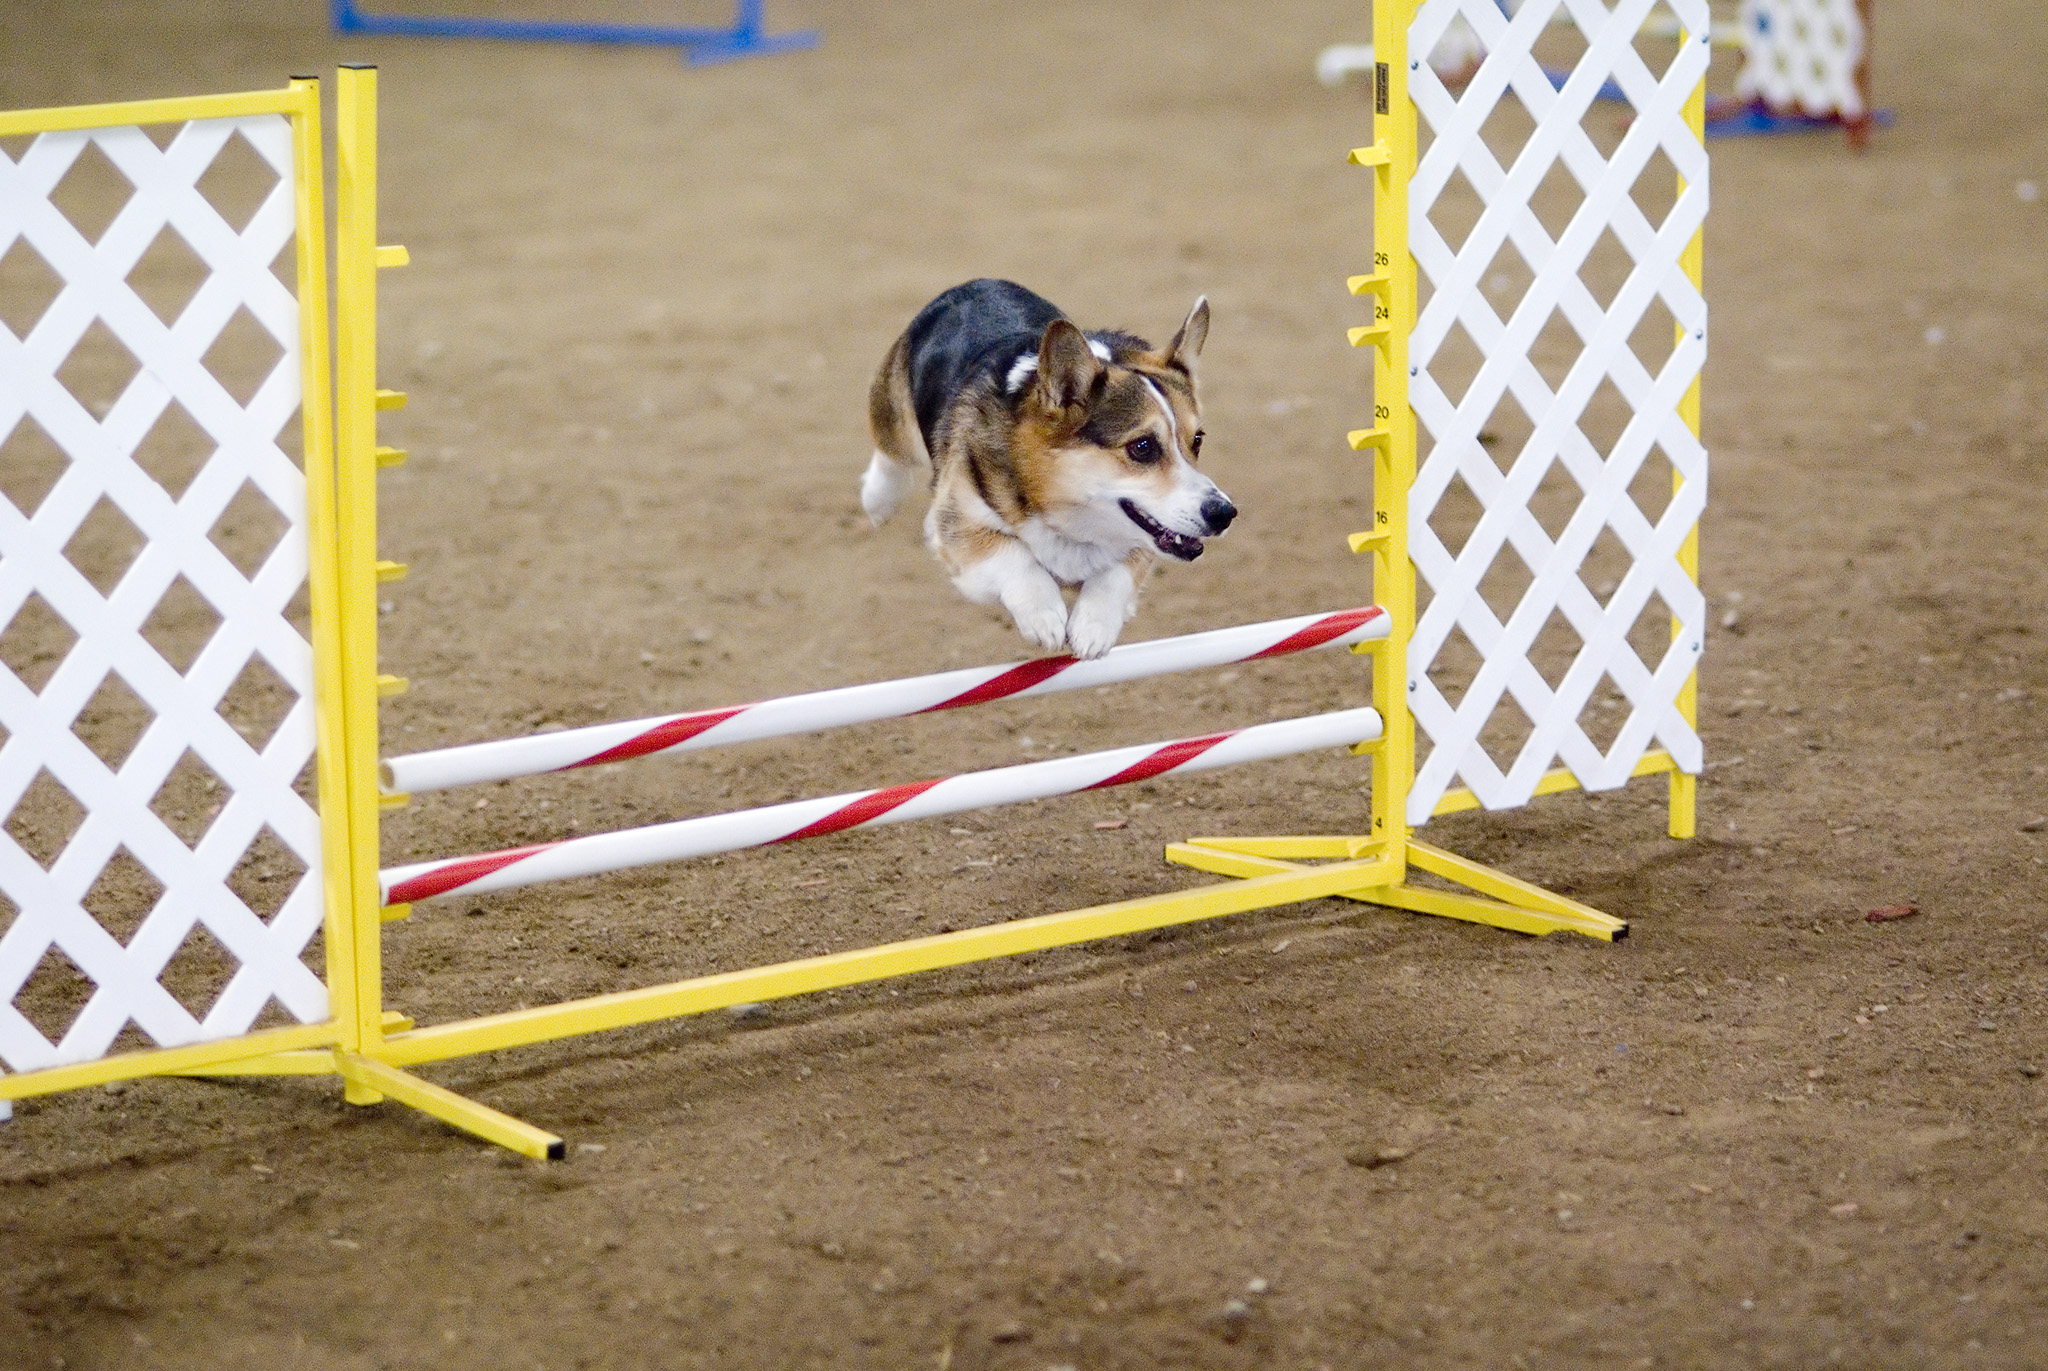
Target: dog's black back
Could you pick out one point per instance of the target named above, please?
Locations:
(973, 331)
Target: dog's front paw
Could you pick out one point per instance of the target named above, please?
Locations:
(1043, 625)
(1104, 605)
(1091, 635)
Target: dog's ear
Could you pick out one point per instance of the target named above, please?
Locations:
(1187, 344)
(1068, 368)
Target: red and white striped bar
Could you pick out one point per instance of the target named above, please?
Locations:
(669, 842)
(474, 763)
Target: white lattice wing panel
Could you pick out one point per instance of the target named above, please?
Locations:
(1803, 56)
(1507, 526)
(256, 779)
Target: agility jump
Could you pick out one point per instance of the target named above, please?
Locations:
(574, 749)
(344, 895)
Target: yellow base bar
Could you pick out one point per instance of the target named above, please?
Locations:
(812, 974)
(1298, 848)
(1503, 901)
(304, 1062)
(168, 1061)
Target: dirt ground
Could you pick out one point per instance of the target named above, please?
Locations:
(643, 308)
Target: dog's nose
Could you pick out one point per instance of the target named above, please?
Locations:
(1217, 512)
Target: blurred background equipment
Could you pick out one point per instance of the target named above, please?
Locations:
(745, 37)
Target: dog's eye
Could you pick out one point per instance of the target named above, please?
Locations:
(1195, 443)
(1143, 451)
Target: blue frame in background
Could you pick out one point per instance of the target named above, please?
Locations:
(704, 45)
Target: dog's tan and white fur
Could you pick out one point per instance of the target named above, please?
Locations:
(1057, 459)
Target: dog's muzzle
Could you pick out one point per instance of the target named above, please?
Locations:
(1184, 546)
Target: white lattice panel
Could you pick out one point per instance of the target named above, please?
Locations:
(1465, 283)
(1803, 56)
(124, 951)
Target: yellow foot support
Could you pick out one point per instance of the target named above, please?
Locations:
(1571, 915)
(1502, 901)
(450, 1108)
(1494, 913)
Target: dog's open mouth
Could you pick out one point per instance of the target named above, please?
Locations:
(1185, 546)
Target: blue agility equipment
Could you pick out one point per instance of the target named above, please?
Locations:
(744, 38)
(1735, 119)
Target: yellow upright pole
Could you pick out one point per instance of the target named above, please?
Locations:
(1392, 158)
(323, 571)
(355, 270)
(1683, 819)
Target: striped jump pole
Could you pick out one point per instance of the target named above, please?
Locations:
(572, 748)
(783, 823)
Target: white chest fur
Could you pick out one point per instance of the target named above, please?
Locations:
(1069, 560)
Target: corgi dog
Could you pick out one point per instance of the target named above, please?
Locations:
(1057, 459)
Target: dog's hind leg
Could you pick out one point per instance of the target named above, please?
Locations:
(900, 458)
(884, 485)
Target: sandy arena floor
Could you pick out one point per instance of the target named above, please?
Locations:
(643, 308)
